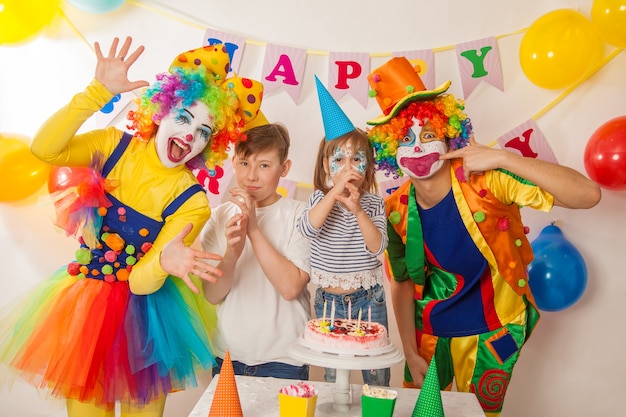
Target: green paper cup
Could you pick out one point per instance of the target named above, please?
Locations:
(377, 407)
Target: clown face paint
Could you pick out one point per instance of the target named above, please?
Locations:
(344, 156)
(418, 155)
(183, 134)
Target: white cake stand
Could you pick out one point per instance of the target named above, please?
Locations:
(341, 405)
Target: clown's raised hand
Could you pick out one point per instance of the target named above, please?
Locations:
(112, 70)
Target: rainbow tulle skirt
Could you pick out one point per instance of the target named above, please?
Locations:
(94, 341)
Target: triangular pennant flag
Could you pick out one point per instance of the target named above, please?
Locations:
(347, 74)
(429, 400)
(226, 401)
(528, 140)
(478, 61)
(336, 123)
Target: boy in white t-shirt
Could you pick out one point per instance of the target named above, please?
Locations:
(262, 299)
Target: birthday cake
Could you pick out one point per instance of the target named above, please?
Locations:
(346, 337)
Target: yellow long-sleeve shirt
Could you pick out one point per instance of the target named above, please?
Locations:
(144, 183)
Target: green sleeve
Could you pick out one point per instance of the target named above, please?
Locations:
(396, 250)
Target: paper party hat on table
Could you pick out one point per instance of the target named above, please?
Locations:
(226, 397)
(429, 400)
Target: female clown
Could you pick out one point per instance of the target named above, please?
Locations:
(123, 321)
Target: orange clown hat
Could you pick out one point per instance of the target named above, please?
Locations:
(396, 84)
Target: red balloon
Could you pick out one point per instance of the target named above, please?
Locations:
(60, 178)
(605, 155)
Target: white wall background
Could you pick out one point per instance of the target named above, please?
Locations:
(573, 364)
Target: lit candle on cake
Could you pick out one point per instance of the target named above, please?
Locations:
(324, 316)
(332, 313)
(349, 310)
(358, 323)
(369, 316)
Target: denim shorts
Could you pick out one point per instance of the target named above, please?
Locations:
(269, 369)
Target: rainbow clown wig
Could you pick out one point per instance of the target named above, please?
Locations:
(180, 88)
(445, 113)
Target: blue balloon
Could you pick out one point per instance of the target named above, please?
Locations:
(96, 6)
(558, 274)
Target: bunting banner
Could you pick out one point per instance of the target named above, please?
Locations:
(215, 182)
(234, 45)
(478, 61)
(387, 187)
(425, 60)
(284, 66)
(287, 188)
(113, 108)
(528, 140)
(347, 73)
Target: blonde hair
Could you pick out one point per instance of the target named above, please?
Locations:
(357, 138)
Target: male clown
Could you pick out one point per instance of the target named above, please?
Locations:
(457, 248)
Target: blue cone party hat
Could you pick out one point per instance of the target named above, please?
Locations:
(429, 400)
(336, 123)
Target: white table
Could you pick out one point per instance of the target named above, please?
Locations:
(259, 398)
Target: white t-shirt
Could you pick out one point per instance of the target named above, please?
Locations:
(254, 322)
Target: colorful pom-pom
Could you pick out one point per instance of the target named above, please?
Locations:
(73, 268)
(503, 224)
(460, 174)
(110, 256)
(122, 275)
(130, 249)
(480, 216)
(83, 256)
(143, 232)
(114, 241)
(395, 217)
(521, 283)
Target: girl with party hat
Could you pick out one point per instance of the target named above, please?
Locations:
(345, 221)
(123, 322)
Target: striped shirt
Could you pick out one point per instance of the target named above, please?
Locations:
(339, 256)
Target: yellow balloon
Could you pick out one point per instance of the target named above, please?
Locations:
(22, 19)
(609, 18)
(21, 173)
(559, 48)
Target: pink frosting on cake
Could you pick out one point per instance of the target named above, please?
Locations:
(345, 336)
